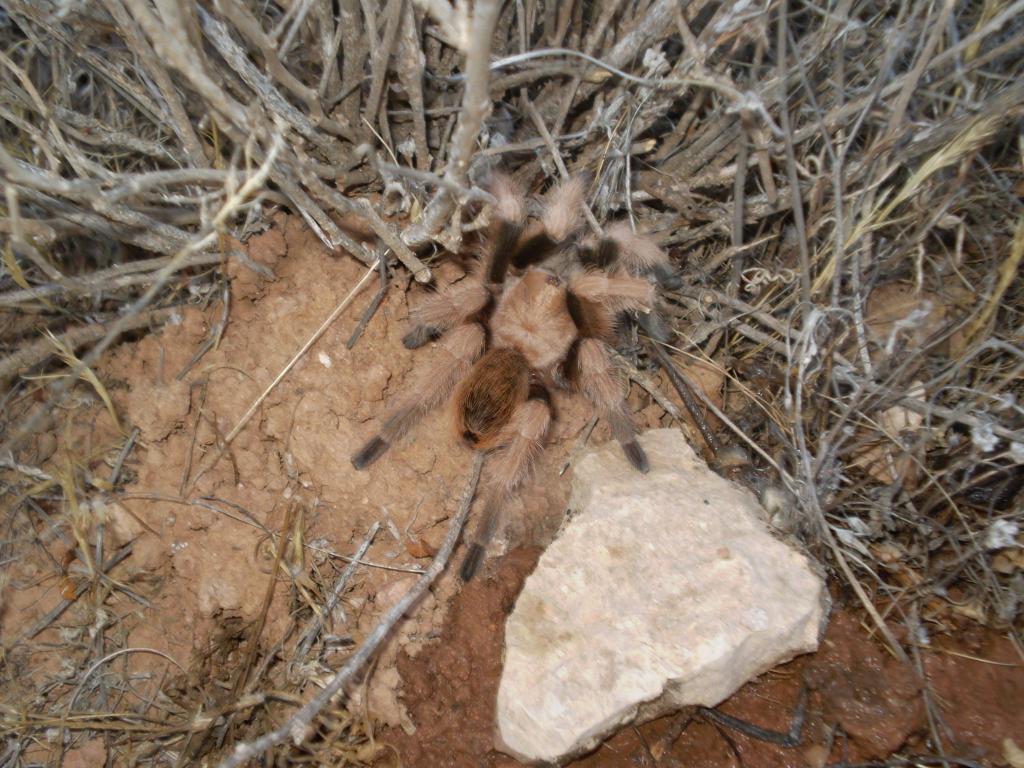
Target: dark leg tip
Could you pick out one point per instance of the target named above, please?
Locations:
(471, 564)
(369, 453)
(420, 335)
(653, 326)
(667, 277)
(636, 456)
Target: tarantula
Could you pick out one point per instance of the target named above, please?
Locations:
(541, 309)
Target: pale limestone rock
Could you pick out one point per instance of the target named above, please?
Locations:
(662, 591)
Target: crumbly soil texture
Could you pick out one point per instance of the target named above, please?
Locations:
(236, 543)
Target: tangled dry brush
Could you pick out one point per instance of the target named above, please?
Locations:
(839, 184)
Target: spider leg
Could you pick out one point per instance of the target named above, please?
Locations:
(521, 443)
(507, 221)
(561, 217)
(596, 377)
(613, 293)
(535, 246)
(640, 255)
(431, 383)
(598, 305)
(595, 300)
(685, 390)
(789, 739)
(653, 325)
(599, 254)
(563, 208)
(444, 310)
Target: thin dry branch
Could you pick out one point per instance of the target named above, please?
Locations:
(476, 106)
(30, 355)
(297, 725)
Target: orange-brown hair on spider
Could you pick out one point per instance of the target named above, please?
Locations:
(486, 399)
(541, 309)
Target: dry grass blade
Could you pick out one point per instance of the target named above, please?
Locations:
(1009, 269)
(85, 373)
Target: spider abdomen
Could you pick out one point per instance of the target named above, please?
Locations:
(487, 397)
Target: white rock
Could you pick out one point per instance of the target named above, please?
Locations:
(662, 591)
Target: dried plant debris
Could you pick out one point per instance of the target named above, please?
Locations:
(839, 188)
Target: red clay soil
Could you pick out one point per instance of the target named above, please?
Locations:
(861, 700)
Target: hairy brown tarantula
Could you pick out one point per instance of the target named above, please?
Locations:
(541, 310)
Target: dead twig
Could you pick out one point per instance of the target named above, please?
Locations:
(296, 726)
(316, 623)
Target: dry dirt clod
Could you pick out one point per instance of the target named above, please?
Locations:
(659, 593)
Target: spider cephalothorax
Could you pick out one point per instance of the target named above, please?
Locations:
(541, 310)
